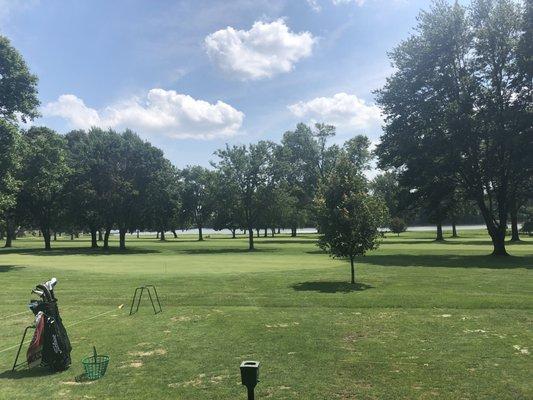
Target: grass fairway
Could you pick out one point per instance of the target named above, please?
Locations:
(426, 321)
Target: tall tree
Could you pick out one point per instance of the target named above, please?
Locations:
(163, 201)
(301, 154)
(81, 192)
(227, 210)
(247, 167)
(348, 215)
(44, 173)
(10, 163)
(458, 91)
(18, 87)
(197, 194)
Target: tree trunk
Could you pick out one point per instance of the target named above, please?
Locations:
(250, 238)
(46, 237)
(454, 230)
(233, 233)
(157, 235)
(106, 238)
(266, 233)
(293, 232)
(353, 269)
(55, 236)
(279, 231)
(122, 234)
(77, 234)
(440, 237)
(496, 231)
(72, 236)
(174, 233)
(94, 241)
(162, 237)
(257, 232)
(10, 231)
(100, 237)
(200, 233)
(138, 233)
(273, 232)
(515, 237)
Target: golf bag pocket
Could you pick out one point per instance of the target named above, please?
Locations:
(34, 354)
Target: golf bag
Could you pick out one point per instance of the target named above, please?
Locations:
(50, 345)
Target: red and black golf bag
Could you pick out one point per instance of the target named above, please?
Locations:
(50, 345)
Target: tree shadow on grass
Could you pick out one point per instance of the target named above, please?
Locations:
(285, 241)
(8, 268)
(449, 261)
(24, 372)
(61, 251)
(226, 251)
(330, 287)
(454, 241)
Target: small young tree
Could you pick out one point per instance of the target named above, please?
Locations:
(348, 216)
(397, 225)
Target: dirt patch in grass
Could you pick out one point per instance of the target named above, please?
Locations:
(158, 352)
(282, 325)
(136, 364)
(353, 337)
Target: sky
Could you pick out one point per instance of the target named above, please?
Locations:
(190, 76)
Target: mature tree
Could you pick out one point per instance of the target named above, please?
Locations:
(227, 210)
(397, 225)
(301, 154)
(18, 87)
(459, 95)
(247, 168)
(81, 191)
(10, 163)
(348, 215)
(163, 200)
(197, 196)
(44, 173)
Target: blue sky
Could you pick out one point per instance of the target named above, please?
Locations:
(190, 76)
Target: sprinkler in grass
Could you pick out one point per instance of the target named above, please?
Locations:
(250, 376)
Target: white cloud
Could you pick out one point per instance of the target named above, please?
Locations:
(315, 5)
(343, 110)
(9, 8)
(160, 112)
(265, 50)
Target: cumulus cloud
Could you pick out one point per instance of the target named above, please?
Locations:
(263, 51)
(343, 110)
(164, 112)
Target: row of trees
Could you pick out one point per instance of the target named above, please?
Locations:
(101, 180)
(459, 112)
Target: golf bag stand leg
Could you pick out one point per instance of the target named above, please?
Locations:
(15, 365)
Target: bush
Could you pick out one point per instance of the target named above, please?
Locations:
(397, 225)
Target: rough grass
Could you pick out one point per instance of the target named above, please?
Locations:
(426, 320)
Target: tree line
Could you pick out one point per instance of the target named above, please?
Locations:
(100, 180)
(457, 142)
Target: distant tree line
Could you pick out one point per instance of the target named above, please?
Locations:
(457, 143)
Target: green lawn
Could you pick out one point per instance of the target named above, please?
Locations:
(426, 321)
